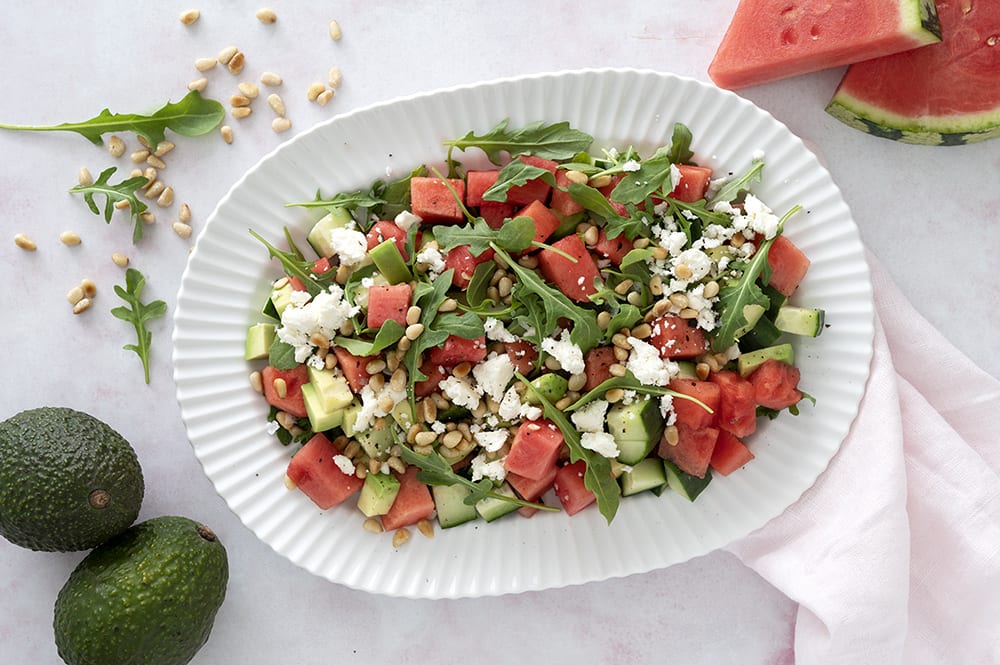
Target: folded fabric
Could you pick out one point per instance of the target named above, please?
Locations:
(893, 556)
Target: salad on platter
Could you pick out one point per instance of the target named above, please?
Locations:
(556, 329)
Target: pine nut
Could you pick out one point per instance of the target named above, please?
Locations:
(404, 344)
(116, 147)
(324, 97)
(449, 305)
(396, 464)
(227, 133)
(425, 438)
(69, 238)
(335, 32)
(119, 259)
(266, 15)
(711, 290)
(75, 295)
(400, 537)
(386, 403)
(621, 341)
(276, 103)
(671, 435)
(289, 484)
(659, 253)
(577, 382)
(426, 528)
(150, 175)
(143, 141)
(84, 177)
(241, 112)
(461, 370)
(122, 205)
(641, 243)
(451, 439)
(621, 355)
(591, 236)
(603, 319)
(198, 84)
(682, 271)
(205, 64)
(256, 381)
(148, 217)
(413, 315)
(623, 286)
(678, 300)
(235, 65)
(702, 370)
(614, 395)
(414, 331)
(139, 156)
(156, 162)
(184, 214)
(166, 199)
(617, 369)
(334, 77)
(182, 229)
(576, 177)
(226, 54)
(600, 181)
(280, 387)
(430, 410)
(375, 366)
(154, 190)
(312, 92)
(688, 313)
(82, 306)
(372, 525)
(270, 79)
(280, 125)
(239, 100)
(189, 16)
(249, 90)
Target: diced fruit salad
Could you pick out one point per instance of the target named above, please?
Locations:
(559, 329)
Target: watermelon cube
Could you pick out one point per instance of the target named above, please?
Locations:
(575, 280)
(729, 453)
(694, 183)
(775, 384)
(677, 339)
(570, 488)
(496, 213)
(689, 412)
(461, 260)
(292, 402)
(413, 502)
(477, 182)
(597, 365)
(314, 471)
(353, 368)
(381, 231)
(789, 264)
(531, 489)
(523, 356)
(545, 221)
(613, 249)
(693, 451)
(456, 350)
(433, 201)
(737, 411)
(533, 190)
(561, 201)
(388, 302)
(535, 449)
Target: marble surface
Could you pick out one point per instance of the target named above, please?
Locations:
(930, 214)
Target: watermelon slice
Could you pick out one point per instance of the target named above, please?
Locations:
(769, 40)
(945, 94)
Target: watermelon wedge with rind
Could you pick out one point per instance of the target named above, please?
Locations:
(768, 40)
(944, 94)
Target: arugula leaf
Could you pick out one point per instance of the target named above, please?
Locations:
(349, 200)
(193, 115)
(429, 298)
(475, 294)
(732, 189)
(294, 266)
(654, 175)
(123, 191)
(435, 470)
(680, 144)
(387, 335)
(629, 382)
(734, 298)
(138, 313)
(466, 326)
(558, 142)
(597, 477)
(395, 194)
(281, 355)
(592, 200)
(515, 235)
(513, 174)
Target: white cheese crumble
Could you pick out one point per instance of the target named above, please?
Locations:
(406, 219)
(494, 374)
(481, 468)
(569, 355)
(345, 464)
(492, 441)
(645, 363)
(511, 408)
(496, 331)
(631, 166)
(349, 245)
(324, 314)
(431, 257)
(601, 443)
(697, 261)
(590, 417)
(760, 218)
(675, 176)
(460, 392)
(371, 404)
(667, 409)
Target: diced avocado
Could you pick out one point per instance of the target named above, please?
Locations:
(648, 474)
(350, 418)
(550, 386)
(449, 501)
(390, 262)
(800, 320)
(751, 360)
(376, 441)
(319, 235)
(686, 370)
(281, 297)
(636, 427)
(378, 493)
(765, 333)
(259, 338)
(333, 390)
(492, 508)
(403, 415)
(320, 417)
(684, 483)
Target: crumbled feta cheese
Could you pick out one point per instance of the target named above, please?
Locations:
(494, 374)
(667, 409)
(645, 363)
(601, 443)
(496, 331)
(349, 245)
(431, 257)
(460, 392)
(492, 441)
(697, 261)
(406, 219)
(675, 176)
(758, 155)
(481, 468)
(569, 355)
(628, 396)
(299, 298)
(590, 417)
(345, 464)
(631, 166)
(438, 427)
(511, 408)
(324, 314)
(371, 404)
(760, 218)
(272, 427)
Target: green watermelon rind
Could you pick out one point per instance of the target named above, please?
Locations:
(925, 130)
(929, 19)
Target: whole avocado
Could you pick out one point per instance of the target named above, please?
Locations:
(68, 481)
(146, 597)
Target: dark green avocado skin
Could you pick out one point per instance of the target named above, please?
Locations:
(55, 463)
(149, 596)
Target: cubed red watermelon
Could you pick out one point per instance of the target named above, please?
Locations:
(694, 183)
(613, 249)
(523, 355)
(690, 413)
(570, 488)
(313, 471)
(388, 302)
(321, 265)
(531, 489)
(496, 213)
(435, 375)
(560, 200)
(535, 449)
(456, 350)
(775, 384)
(296, 283)
(413, 501)
(432, 200)
(597, 365)
(575, 279)
(353, 368)
(789, 264)
(477, 182)
(729, 453)
(693, 450)
(737, 404)
(461, 260)
(533, 190)
(545, 222)
(381, 231)
(292, 402)
(677, 339)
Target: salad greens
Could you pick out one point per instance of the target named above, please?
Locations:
(138, 314)
(113, 193)
(557, 141)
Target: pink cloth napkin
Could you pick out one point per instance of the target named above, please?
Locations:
(894, 554)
